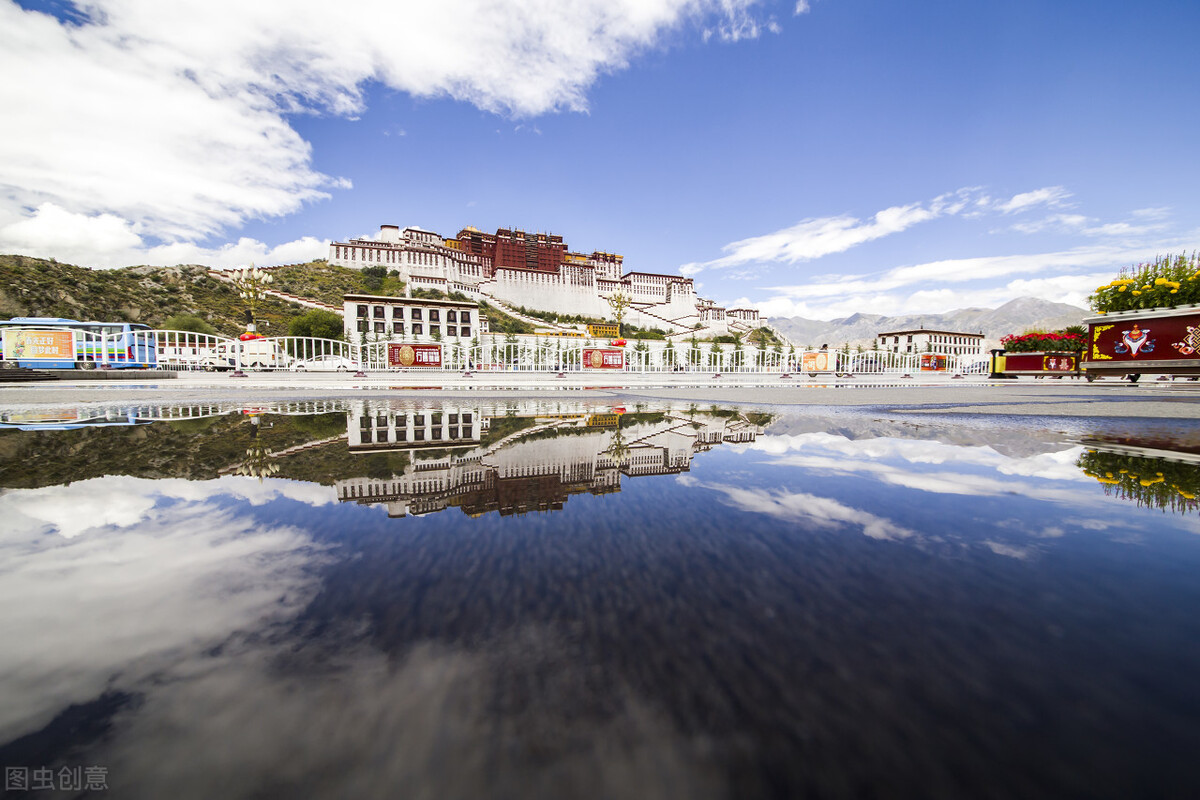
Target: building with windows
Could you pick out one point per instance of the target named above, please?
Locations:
(924, 340)
(411, 318)
(538, 271)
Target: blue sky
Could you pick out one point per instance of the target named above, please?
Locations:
(817, 158)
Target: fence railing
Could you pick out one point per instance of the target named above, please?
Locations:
(184, 350)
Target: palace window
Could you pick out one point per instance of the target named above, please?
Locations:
(418, 329)
(451, 316)
(416, 313)
(379, 327)
(434, 316)
(465, 332)
(362, 311)
(435, 330)
(465, 317)
(378, 312)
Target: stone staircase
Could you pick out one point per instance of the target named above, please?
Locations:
(23, 375)
(287, 297)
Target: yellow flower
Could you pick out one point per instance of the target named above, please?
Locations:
(1135, 291)
(1174, 291)
(1159, 281)
(1188, 495)
(1123, 288)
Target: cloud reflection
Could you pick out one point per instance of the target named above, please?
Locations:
(820, 512)
(144, 575)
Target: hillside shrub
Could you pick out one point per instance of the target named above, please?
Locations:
(187, 322)
(317, 323)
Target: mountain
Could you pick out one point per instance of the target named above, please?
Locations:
(1014, 316)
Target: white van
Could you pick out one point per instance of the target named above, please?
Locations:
(256, 354)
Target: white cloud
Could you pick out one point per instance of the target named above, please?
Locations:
(821, 236)
(1048, 196)
(802, 7)
(1066, 276)
(168, 121)
(104, 240)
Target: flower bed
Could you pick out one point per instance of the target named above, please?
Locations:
(1163, 283)
(1043, 343)
(1145, 321)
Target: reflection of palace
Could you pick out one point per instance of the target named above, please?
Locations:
(500, 460)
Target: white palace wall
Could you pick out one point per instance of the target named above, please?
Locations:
(423, 259)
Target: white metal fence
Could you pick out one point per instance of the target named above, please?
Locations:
(183, 350)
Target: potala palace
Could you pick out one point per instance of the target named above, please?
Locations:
(537, 271)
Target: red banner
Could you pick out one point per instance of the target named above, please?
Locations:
(604, 359)
(1148, 339)
(414, 355)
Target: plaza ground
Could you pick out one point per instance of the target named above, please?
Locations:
(941, 394)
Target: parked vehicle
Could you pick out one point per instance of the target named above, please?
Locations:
(255, 354)
(325, 363)
(58, 343)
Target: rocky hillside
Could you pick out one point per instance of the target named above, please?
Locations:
(1015, 316)
(35, 287)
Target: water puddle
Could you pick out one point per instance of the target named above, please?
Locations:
(579, 598)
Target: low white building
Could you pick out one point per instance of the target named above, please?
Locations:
(925, 340)
(410, 318)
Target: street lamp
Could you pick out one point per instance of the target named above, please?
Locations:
(252, 286)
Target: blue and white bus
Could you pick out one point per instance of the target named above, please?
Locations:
(120, 345)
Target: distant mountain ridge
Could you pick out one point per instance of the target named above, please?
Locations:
(1015, 316)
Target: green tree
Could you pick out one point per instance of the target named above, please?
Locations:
(317, 323)
(619, 302)
(187, 322)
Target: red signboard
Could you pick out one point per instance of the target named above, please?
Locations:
(1149, 339)
(817, 362)
(414, 355)
(604, 359)
(933, 362)
(1039, 362)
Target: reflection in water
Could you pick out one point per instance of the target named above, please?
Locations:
(1152, 473)
(520, 463)
(843, 606)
